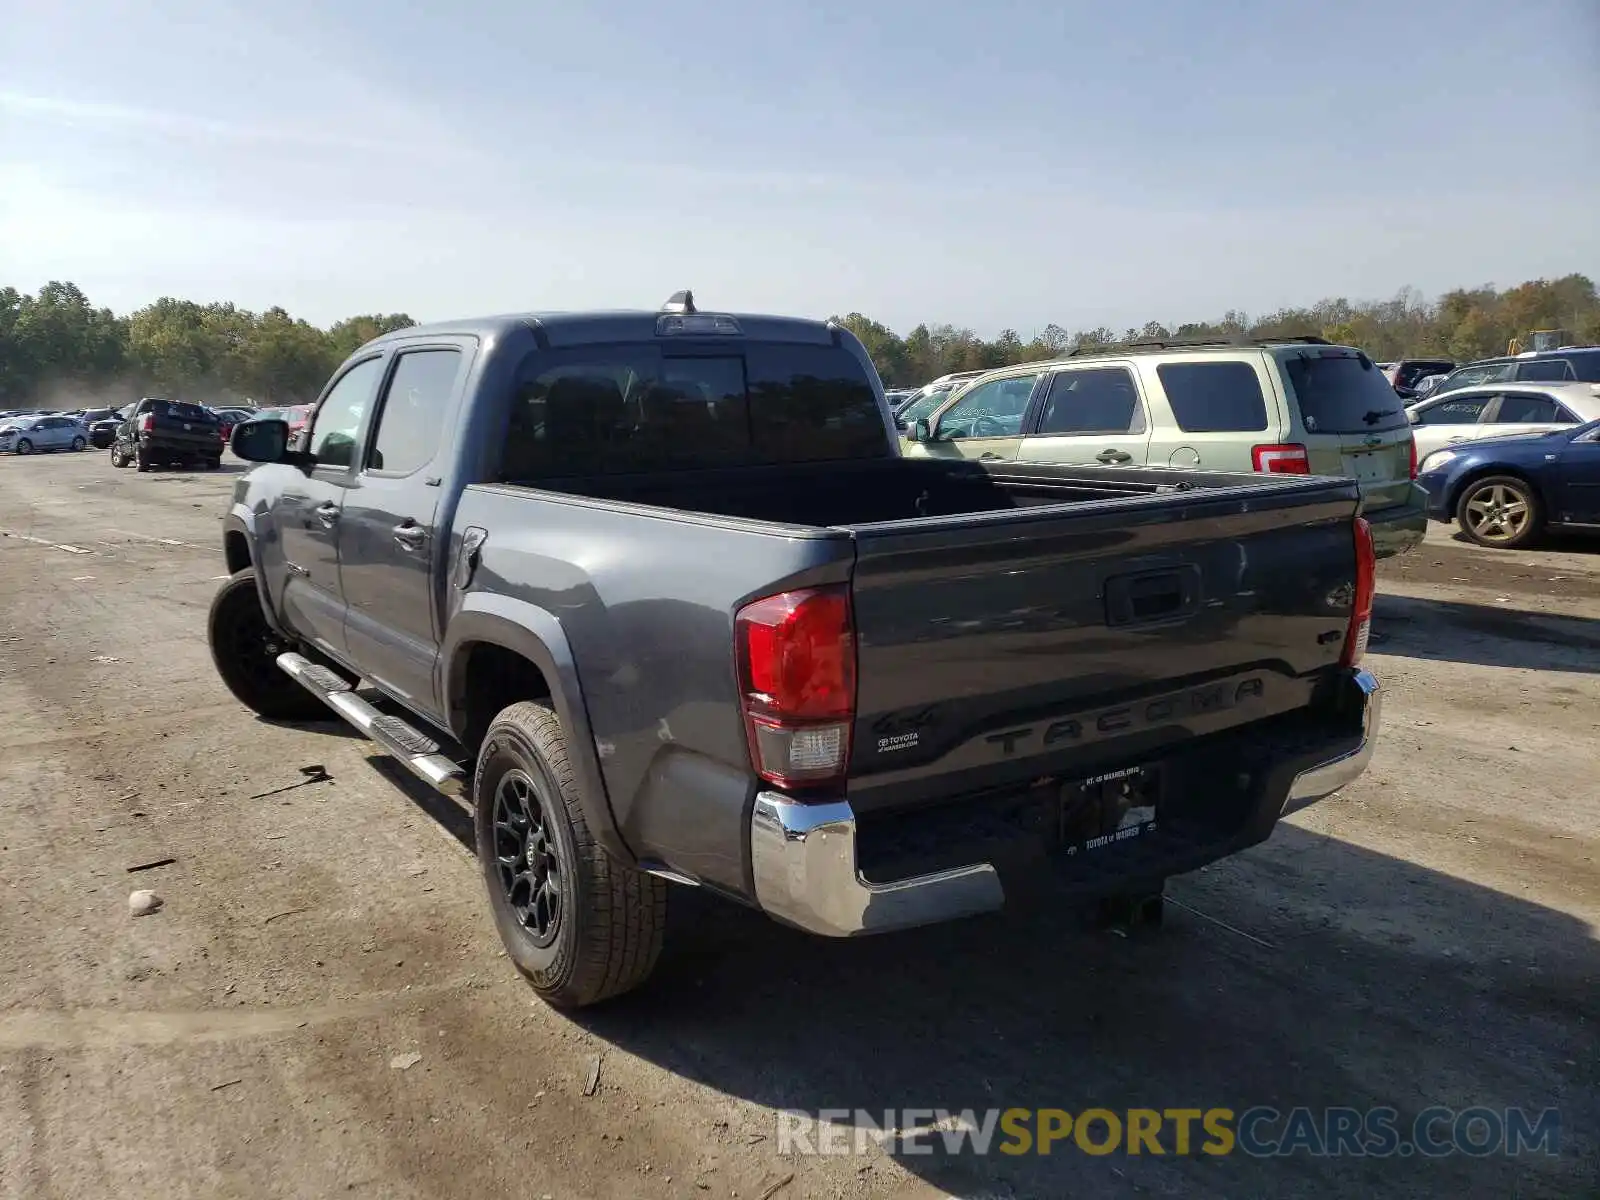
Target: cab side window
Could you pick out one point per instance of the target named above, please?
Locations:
(338, 420)
(412, 420)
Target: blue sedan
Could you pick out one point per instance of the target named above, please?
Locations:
(1505, 491)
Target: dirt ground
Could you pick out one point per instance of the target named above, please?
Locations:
(1427, 937)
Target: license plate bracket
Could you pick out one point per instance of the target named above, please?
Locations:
(1109, 809)
(1368, 467)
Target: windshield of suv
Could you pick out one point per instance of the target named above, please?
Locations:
(1341, 391)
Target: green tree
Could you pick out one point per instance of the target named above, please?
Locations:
(349, 335)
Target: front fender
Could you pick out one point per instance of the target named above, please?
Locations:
(241, 520)
(537, 636)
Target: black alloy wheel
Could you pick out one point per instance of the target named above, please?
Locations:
(527, 857)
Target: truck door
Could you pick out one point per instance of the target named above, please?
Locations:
(391, 550)
(307, 511)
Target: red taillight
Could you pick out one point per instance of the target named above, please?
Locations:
(1413, 458)
(147, 422)
(1360, 627)
(797, 680)
(1286, 459)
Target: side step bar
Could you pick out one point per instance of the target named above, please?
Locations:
(416, 751)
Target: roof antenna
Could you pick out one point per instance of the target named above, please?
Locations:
(680, 302)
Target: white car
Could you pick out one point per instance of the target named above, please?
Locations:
(1498, 409)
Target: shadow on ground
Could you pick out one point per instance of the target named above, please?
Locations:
(1340, 977)
(1564, 541)
(1485, 635)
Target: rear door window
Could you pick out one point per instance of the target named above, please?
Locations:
(1545, 370)
(1215, 397)
(1522, 408)
(1101, 400)
(628, 408)
(1340, 391)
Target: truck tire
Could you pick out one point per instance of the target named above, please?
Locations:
(118, 459)
(141, 460)
(245, 650)
(579, 925)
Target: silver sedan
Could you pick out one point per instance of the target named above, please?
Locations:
(24, 435)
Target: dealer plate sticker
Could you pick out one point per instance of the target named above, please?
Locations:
(1136, 822)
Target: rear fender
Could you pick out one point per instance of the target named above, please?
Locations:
(537, 636)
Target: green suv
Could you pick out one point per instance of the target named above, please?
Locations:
(1295, 406)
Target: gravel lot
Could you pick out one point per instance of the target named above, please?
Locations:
(1426, 937)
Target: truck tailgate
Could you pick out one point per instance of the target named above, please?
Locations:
(997, 647)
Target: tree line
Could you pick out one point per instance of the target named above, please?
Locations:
(59, 350)
(1465, 324)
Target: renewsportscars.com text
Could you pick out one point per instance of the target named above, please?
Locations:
(1258, 1132)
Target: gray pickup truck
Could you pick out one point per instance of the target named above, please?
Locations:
(656, 594)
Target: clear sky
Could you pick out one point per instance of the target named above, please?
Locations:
(1002, 164)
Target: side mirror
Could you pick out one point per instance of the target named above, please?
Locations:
(1411, 415)
(900, 424)
(920, 431)
(263, 441)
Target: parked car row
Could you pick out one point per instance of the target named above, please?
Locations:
(140, 432)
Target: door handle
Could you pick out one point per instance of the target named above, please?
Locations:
(328, 514)
(1113, 456)
(410, 535)
(989, 456)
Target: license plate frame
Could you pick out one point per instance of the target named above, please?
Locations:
(1085, 807)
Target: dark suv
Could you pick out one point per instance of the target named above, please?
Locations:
(159, 431)
(1543, 366)
(1404, 375)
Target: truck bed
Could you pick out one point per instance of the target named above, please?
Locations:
(1011, 623)
(876, 491)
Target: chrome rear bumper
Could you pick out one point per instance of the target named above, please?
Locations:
(803, 856)
(1328, 777)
